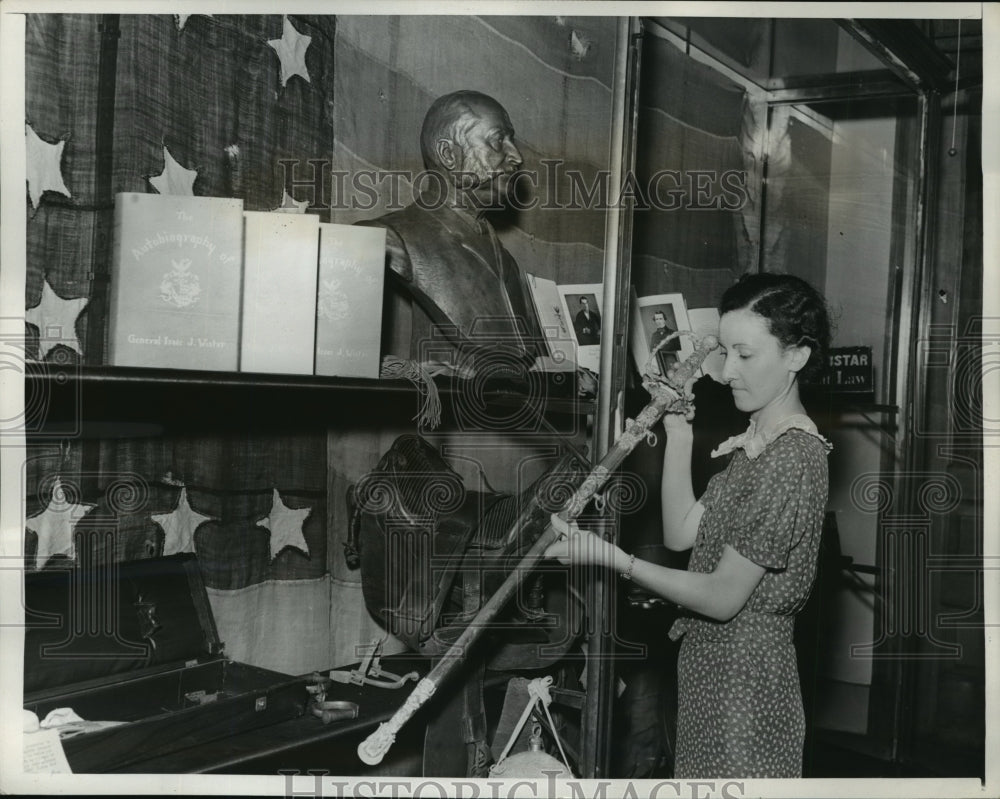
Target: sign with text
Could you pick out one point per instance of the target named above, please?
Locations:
(850, 369)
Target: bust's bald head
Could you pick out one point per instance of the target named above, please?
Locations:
(467, 137)
(448, 116)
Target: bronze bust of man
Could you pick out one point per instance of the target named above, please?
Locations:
(441, 248)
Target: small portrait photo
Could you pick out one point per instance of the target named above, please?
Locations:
(655, 320)
(582, 307)
(581, 304)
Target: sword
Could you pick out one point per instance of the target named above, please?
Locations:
(667, 395)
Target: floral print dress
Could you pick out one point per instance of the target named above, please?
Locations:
(739, 702)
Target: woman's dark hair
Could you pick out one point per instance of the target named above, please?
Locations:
(796, 313)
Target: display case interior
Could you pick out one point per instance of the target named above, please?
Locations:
(133, 651)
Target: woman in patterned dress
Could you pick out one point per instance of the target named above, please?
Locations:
(754, 536)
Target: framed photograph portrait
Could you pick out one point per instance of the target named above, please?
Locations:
(655, 320)
(581, 303)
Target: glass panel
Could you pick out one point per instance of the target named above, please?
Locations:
(839, 212)
(691, 167)
(774, 53)
(805, 47)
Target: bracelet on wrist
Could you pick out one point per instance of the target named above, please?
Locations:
(626, 573)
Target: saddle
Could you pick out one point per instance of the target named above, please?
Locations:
(431, 553)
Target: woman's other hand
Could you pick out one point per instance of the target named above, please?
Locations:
(580, 547)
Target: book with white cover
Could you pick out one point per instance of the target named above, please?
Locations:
(175, 282)
(280, 261)
(349, 302)
(555, 326)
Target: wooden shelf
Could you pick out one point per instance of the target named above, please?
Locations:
(104, 401)
(190, 377)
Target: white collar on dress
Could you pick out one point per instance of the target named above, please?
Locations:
(754, 443)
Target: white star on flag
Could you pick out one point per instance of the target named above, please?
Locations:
(43, 166)
(579, 45)
(285, 525)
(174, 179)
(55, 319)
(289, 205)
(54, 525)
(291, 50)
(183, 18)
(179, 526)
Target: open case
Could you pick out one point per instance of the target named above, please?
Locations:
(136, 642)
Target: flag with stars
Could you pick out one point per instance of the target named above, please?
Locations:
(193, 105)
(258, 518)
(253, 513)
